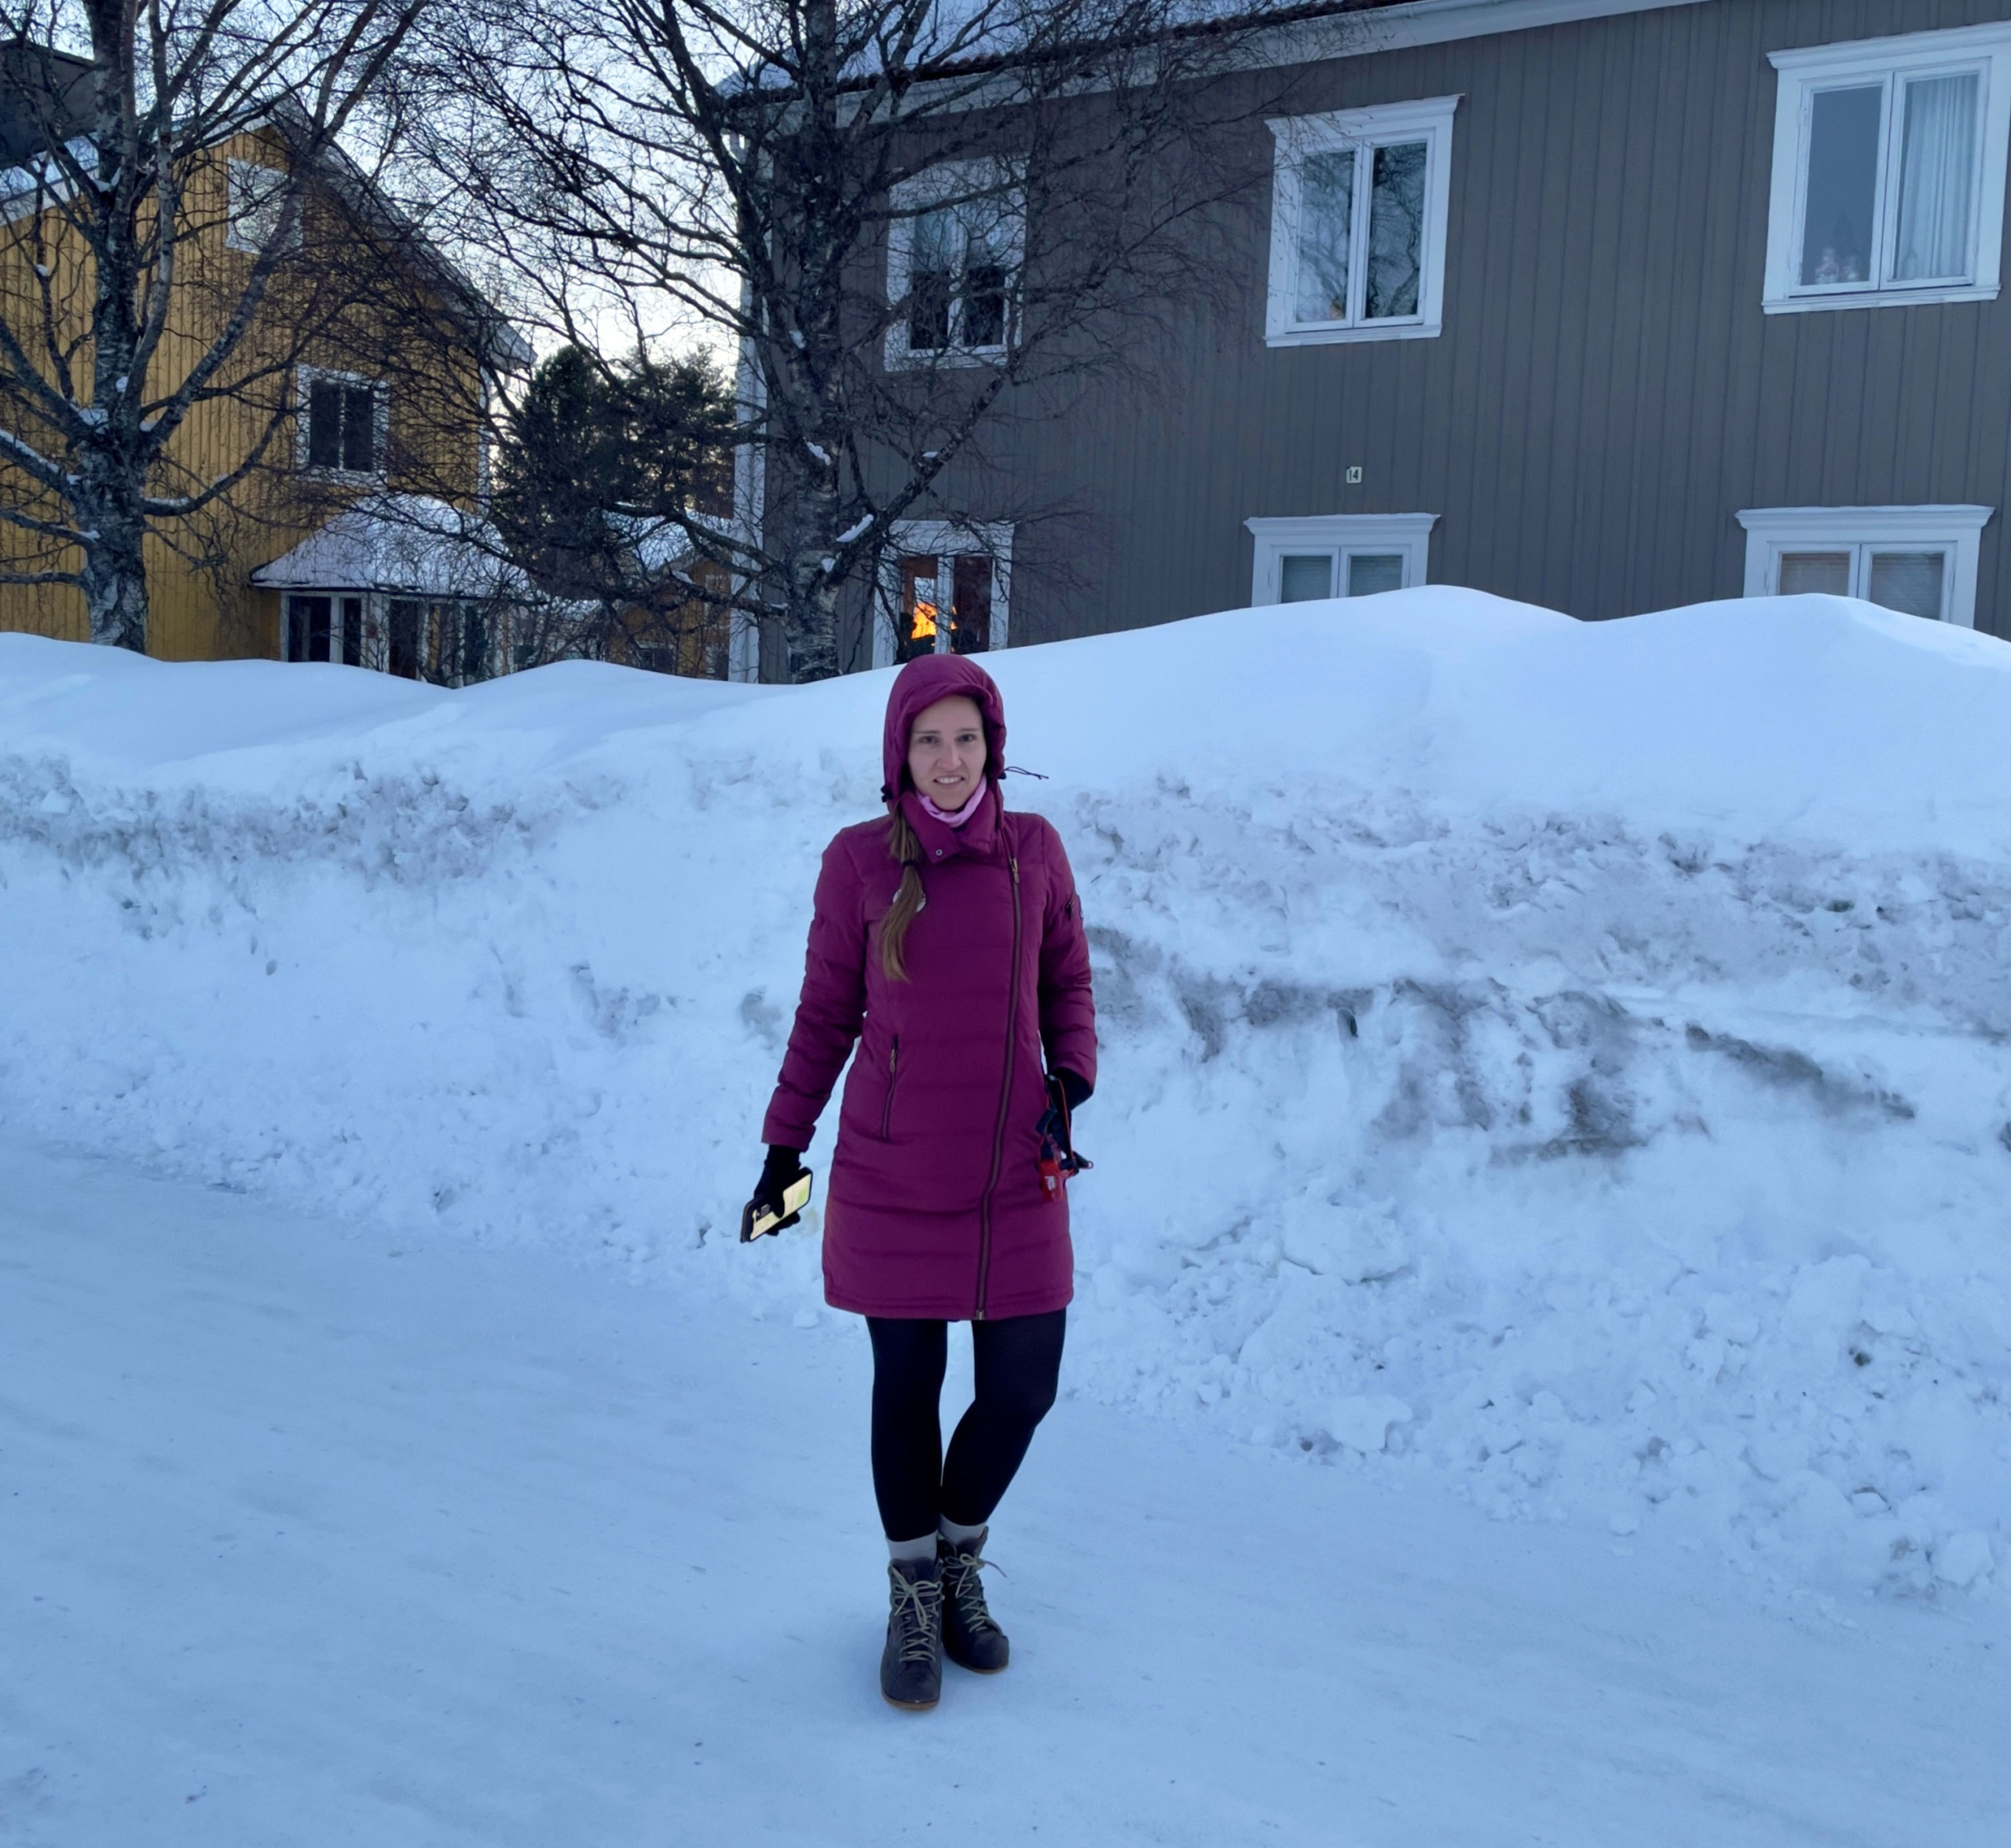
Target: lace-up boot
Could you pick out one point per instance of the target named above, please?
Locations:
(970, 1638)
(911, 1665)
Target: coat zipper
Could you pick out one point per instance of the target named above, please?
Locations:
(893, 1070)
(1005, 1104)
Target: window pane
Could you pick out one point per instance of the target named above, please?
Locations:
(359, 429)
(987, 233)
(403, 639)
(325, 425)
(1909, 582)
(1326, 220)
(352, 631)
(916, 623)
(257, 194)
(1937, 179)
(984, 304)
(307, 628)
(970, 621)
(1396, 231)
(1843, 185)
(931, 270)
(1369, 573)
(474, 645)
(1306, 579)
(1827, 574)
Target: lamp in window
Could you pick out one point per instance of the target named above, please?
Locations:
(920, 609)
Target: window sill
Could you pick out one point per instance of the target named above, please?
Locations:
(1352, 336)
(935, 358)
(345, 477)
(1924, 298)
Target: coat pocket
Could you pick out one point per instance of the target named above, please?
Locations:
(893, 1076)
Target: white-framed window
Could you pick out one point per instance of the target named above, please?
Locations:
(342, 419)
(1338, 555)
(257, 204)
(954, 247)
(1359, 200)
(1888, 171)
(946, 587)
(1921, 561)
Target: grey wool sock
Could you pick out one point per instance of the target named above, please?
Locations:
(923, 1548)
(959, 1535)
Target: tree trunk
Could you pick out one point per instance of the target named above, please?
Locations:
(812, 618)
(110, 492)
(808, 508)
(114, 573)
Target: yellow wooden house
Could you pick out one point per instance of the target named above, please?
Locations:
(366, 375)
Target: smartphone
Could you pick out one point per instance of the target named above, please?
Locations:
(754, 1223)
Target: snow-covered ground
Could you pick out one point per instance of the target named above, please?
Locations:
(1565, 1063)
(323, 1533)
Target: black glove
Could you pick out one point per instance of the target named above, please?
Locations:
(1065, 1090)
(783, 1166)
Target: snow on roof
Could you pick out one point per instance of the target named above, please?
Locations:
(962, 36)
(409, 543)
(662, 542)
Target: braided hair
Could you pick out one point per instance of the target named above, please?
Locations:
(905, 845)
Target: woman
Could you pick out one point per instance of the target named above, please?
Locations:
(947, 939)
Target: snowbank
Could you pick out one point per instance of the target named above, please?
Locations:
(1570, 1058)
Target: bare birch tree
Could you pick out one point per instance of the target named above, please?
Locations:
(911, 220)
(118, 320)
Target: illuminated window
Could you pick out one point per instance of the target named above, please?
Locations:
(945, 606)
(944, 589)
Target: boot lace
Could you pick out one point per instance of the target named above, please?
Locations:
(966, 1589)
(918, 1616)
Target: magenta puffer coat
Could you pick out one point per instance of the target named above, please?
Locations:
(933, 1205)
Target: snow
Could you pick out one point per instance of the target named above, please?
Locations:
(1563, 1064)
(322, 1534)
(398, 542)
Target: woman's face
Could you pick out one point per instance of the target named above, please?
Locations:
(946, 750)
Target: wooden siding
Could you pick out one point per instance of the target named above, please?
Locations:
(1607, 393)
(209, 610)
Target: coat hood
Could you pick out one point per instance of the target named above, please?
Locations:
(917, 687)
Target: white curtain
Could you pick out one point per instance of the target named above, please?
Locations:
(1938, 180)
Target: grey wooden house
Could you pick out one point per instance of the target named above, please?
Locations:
(1607, 305)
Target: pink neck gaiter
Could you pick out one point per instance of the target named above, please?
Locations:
(962, 815)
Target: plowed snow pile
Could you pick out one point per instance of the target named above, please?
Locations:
(1576, 1059)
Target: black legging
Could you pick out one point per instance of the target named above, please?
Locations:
(1016, 1362)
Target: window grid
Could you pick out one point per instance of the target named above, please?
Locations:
(1885, 265)
(1911, 576)
(1322, 556)
(955, 246)
(1889, 171)
(342, 423)
(1359, 205)
(1921, 561)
